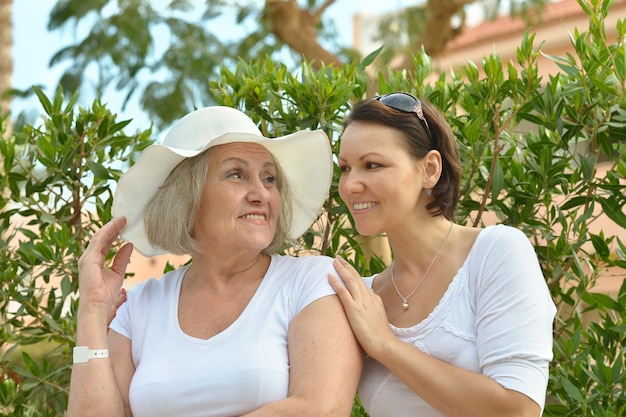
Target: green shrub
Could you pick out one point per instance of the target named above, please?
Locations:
(531, 149)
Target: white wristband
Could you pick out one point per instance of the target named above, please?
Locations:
(82, 354)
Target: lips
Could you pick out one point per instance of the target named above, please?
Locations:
(363, 206)
(253, 216)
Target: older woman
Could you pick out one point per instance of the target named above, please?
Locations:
(240, 330)
(460, 324)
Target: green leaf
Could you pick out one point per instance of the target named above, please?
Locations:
(600, 245)
(43, 99)
(602, 300)
(588, 165)
(98, 170)
(497, 181)
(370, 58)
(614, 211)
(574, 202)
(572, 390)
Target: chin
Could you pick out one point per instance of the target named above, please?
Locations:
(367, 231)
(262, 244)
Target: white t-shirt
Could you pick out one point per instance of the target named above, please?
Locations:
(495, 319)
(234, 372)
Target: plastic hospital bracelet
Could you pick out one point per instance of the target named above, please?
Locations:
(82, 354)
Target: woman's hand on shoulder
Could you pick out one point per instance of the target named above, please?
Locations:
(363, 307)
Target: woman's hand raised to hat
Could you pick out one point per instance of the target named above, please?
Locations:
(100, 286)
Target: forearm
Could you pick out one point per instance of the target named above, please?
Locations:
(286, 407)
(93, 388)
(301, 407)
(453, 391)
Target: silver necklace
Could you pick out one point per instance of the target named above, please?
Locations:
(405, 300)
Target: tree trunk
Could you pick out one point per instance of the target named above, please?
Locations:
(6, 60)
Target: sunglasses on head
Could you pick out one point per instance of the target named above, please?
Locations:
(407, 103)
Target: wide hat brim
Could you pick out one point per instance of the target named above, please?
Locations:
(304, 156)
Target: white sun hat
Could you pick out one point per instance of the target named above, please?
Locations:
(304, 156)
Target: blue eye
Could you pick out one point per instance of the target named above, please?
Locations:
(372, 165)
(271, 179)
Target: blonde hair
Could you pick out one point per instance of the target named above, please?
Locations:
(170, 215)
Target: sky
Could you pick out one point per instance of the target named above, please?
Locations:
(33, 47)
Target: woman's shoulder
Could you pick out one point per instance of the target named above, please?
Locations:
(301, 268)
(313, 261)
(301, 279)
(501, 234)
(499, 246)
(503, 253)
(153, 286)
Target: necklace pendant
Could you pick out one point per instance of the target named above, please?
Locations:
(405, 305)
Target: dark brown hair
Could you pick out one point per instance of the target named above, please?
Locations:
(419, 142)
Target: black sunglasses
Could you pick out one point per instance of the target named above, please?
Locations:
(407, 103)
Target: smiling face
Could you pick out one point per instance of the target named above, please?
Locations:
(380, 182)
(240, 202)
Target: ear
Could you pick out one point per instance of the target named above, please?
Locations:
(432, 168)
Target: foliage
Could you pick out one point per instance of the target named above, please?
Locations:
(533, 152)
(125, 47)
(158, 52)
(57, 186)
(161, 52)
(591, 375)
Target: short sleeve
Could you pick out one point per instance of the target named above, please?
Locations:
(309, 280)
(121, 321)
(125, 316)
(514, 313)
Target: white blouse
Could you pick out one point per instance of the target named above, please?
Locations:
(232, 373)
(495, 319)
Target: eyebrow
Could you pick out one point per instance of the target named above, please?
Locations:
(365, 156)
(245, 162)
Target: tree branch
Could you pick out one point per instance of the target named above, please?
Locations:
(318, 14)
(438, 31)
(297, 29)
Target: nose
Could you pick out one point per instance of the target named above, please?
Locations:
(350, 183)
(257, 192)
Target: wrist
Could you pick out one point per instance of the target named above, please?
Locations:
(92, 326)
(93, 312)
(384, 348)
(82, 354)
